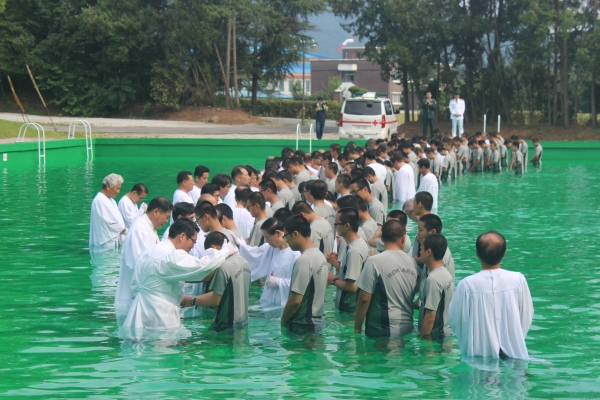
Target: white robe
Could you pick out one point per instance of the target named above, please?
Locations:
(404, 184)
(243, 220)
(230, 198)
(429, 183)
(380, 170)
(140, 237)
(129, 210)
(266, 261)
(195, 194)
(106, 223)
(180, 197)
(492, 310)
(157, 281)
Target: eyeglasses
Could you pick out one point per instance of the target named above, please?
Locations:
(286, 235)
(190, 238)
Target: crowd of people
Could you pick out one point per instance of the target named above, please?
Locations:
(312, 220)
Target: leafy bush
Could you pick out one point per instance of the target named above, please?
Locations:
(357, 89)
(289, 108)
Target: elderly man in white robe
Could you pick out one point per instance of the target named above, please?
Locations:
(273, 261)
(107, 227)
(128, 205)
(158, 279)
(491, 311)
(141, 236)
(429, 182)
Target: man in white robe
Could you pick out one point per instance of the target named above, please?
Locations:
(141, 236)
(128, 205)
(457, 111)
(491, 311)
(185, 184)
(106, 222)
(201, 174)
(429, 182)
(157, 281)
(404, 183)
(240, 176)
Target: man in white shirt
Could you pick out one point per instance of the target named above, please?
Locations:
(491, 311)
(371, 161)
(240, 176)
(106, 221)
(201, 174)
(457, 111)
(141, 236)
(185, 184)
(429, 182)
(128, 203)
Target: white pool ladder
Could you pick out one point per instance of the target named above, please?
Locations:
(311, 134)
(41, 139)
(87, 128)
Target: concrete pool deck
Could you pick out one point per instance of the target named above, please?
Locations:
(273, 128)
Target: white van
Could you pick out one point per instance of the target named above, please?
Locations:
(367, 117)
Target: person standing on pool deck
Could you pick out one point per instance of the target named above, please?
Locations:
(128, 204)
(303, 312)
(492, 310)
(320, 114)
(429, 182)
(387, 286)
(457, 110)
(437, 290)
(228, 289)
(156, 283)
(351, 262)
(106, 221)
(141, 236)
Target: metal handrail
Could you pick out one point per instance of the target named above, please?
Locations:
(88, 136)
(41, 139)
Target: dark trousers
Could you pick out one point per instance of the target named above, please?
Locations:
(319, 125)
(426, 122)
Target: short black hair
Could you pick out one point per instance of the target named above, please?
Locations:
(268, 184)
(301, 207)
(349, 216)
(318, 190)
(431, 222)
(223, 210)
(201, 170)
(242, 192)
(392, 231)
(203, 208)
(344, 180)
(237, 170)
(369, 171)
(425, 198)
(333, 167)
(297, 223)
(362, 205)
(271, 225)
(221, 180)
(285, 176)
(256, 198)
(335, 147)
(209, 188)
(297, 160)
(181, 209)
(161, 203)
(271, 174)
(491, 247)
(139, 188)
(437, 244)
(214, 239)
(424, 163)
(357, 173)
(282, 214)
(362, 183)
(183, 176)
(347, 201)
(183, 225)
(398, 215)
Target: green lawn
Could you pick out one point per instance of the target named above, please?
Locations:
(9, 129)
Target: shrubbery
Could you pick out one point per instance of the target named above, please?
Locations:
(289, 108)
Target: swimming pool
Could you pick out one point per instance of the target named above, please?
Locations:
(57, 322)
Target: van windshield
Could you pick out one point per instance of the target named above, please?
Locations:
(362, 108)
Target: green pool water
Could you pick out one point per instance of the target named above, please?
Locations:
(57, 322)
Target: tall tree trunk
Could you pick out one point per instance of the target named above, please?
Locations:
(473, 112)
(228, 104)
(594, 114)
(555, 89)
(406, 92)
(564, 75)
(549, 88)
(437, 95)
(576, 96)
(228, 56)
(235, 76)
(254, 92)
(412, 97)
